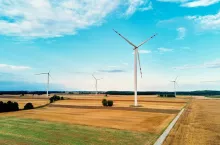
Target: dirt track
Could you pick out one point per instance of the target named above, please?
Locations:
(168, 111)
(198, 125)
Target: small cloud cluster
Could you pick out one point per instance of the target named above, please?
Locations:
(138, 5)
(13, 67)
(213, 64)
(207, 22)
(192, 3)
(181, 33)
(162, 49)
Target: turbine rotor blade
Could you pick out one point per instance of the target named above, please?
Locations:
(139, 62)
(125, 39)
(94, 77)
(176, 78)
(146, 41)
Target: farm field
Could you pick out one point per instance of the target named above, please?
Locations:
(199, 124)
(141, 125)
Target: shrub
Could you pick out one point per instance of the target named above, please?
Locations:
(170, 95)
(9, 106)
(28, 106)
(1, 106)
(110, 103)
(55, 98)
(51, 100)
(104, 102)
(62, 98)
(15, 106)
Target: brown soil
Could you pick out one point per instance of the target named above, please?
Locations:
(199, 125)
(168, 111)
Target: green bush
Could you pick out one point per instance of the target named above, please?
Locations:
(28, 106)
(55, 98)
(9, 106)
(104, 102)
(51, 100)
(110, 103)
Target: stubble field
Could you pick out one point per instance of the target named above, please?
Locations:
(199, 124)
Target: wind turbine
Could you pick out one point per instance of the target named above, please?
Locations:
(48, 80)
(136, 55)
(96, 83)
(174, 85)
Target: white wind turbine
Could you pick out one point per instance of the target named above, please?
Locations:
(136, 55)
(48, 80)
(174, 85)
(96, 83)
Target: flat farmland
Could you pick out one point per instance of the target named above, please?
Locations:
(143, 125)
(198, 125)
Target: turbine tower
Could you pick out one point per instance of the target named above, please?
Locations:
(48, 80)
(96, 83)
(174, 85)
(136, 56)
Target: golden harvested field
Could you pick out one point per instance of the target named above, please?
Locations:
(198, 125)
(126, 103)
(118, 119)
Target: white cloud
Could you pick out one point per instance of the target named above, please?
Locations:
(200, 3)
(181, 33)
(192, 3)
(207, 22)
(13, 67)
(144, 51)
(212, 64)
(53, 18)
(138, 5)
(162, 49)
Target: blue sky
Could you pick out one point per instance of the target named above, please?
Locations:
(74, 38)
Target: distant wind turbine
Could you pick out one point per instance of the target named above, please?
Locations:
(96, 83)
(174, 85)
(48, 80)
(136, 55)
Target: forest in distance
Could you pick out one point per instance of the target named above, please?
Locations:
(193, 93)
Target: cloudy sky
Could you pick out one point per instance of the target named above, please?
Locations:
(74, 38)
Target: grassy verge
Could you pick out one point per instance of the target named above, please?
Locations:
(15, 130)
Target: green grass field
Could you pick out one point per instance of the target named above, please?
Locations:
(35, 132)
